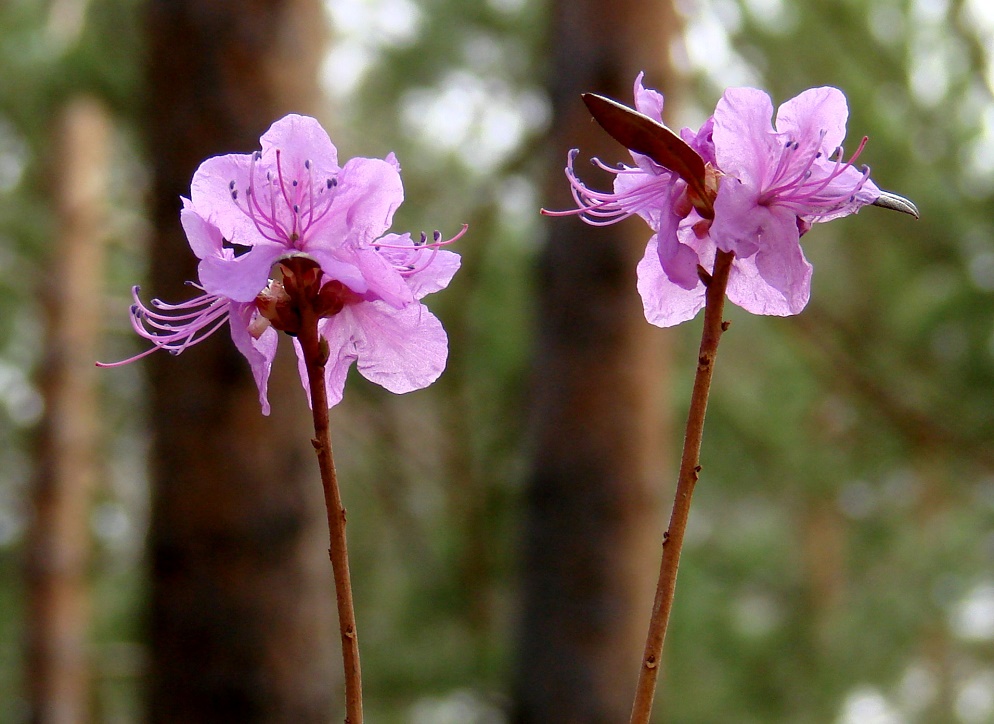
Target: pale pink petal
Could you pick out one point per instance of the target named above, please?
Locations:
(210, 194)
(436, 274)
(817, 114)
(259, 352)
(777, 280)
(745, 145)
(647, 101)
(678, 261)
(702, 140)
(748, 289)
(205, 238)
(299, 139)
(738, 218)
(240, 278)
(665, 304)
(369, 191)
(433, 268)
(383, 280)
(400, 349)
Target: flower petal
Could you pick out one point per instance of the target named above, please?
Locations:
(210, 194)
(369, 191)
(745, 145)
(204, 237)
(402, 350)
(678, 261)
(739, 220)
(240, 278)
(648, 102)
(665, 303)
(259, 352)
(818, 115)
(299, 139)
(433, 268)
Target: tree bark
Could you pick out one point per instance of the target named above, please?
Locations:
(594, 520)
(241, 620)
(58, 553)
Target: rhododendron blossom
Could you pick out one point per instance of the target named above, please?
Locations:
(768, 182)
(247, 212)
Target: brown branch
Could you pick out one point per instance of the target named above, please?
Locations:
(689, 469)
(315, 357)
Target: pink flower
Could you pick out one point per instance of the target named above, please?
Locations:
(778, 180)
(772, 184)
(668, 281)
(249, 211)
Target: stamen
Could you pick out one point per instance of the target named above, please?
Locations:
(412, 262)
(159, 323)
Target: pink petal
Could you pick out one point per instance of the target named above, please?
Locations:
(205, 238)
(259, 352)
(299, 139)
(678, 261)
(748, 289)
(434, 269)
(665, 304)
(745, 145)
(335, 266)
(210, 194)
(812, 112)
(369, 191)
(648, 102)
(399, 349)
(383, 280)
(739, 220)
(436, 275)
(782, 265)
(240, 278)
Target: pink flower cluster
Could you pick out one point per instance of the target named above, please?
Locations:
(774, 180)
(246, 212)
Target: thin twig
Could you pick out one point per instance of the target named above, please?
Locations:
(315, 357)
(689, 470)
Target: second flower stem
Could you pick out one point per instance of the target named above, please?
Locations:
(690, 467)
(315, 357)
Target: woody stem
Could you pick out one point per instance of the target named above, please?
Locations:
(315, 358)
(689, 470)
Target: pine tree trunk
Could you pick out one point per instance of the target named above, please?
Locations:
(598, 475)
(58, 550)
(242, 624)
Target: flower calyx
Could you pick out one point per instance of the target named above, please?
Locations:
(296, 293)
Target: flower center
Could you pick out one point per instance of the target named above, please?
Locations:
(297, 291)
(284, 205)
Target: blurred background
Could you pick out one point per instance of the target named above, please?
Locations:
(163, 545)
